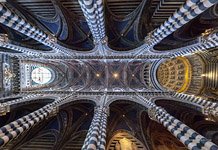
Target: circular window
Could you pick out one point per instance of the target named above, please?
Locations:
(41, 75)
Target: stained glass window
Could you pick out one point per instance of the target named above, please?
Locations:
(41, 75)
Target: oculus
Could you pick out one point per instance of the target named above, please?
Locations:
(41, 75)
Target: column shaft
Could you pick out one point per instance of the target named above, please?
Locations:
(96, 136)
(197, 100)
(182, 132)
(189, 137)
(11, 20)
(190, 10)
(16, 128)
(204, 44)
(94, 14)
(209, 108)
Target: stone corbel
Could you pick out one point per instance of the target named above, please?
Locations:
(149, 37)
(105, 40)
(51, 38)
(96, 109)
(107, 110)
(208, 35)
(152, 112)
(54, 112)
(211, 113)
(3, 39)
(4, 109)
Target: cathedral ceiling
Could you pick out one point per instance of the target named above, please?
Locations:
(92, 75)
(189, 33)
(134, 92)
(127, 22)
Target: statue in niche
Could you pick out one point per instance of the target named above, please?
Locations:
(8, 75)
(125, 144)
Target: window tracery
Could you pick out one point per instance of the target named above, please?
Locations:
(41, 75)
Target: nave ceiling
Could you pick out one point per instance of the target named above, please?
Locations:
(84, 75)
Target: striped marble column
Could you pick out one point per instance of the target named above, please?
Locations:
(5, 107)
(189, 137)
(19, 126)
(96, 136)
(4, 42)
(103, 131)
(11, 20)
(210, 42)
(15, 128)
(208, 108)
(31, 53)
(94, 14)
(28, 52)
(13, 96)
(190, 10)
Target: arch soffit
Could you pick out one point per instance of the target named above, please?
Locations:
(135, 99)
(80, 99)
(159, 98)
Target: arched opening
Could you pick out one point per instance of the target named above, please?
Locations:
(161, 139)
(124, 24)
(189, 33)
(124, 124)
(123, 140)
(191, 117)
(19, 110)
(67, 130)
